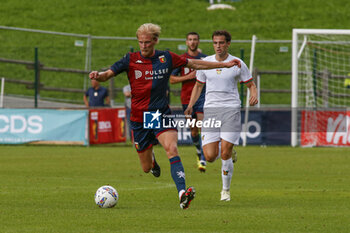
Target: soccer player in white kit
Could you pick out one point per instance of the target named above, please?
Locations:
(222, 103)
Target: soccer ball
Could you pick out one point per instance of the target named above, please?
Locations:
(106, 197)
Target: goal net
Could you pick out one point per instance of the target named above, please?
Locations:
(320, 87)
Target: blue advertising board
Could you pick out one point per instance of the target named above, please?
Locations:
(19, 126)
(268, 127)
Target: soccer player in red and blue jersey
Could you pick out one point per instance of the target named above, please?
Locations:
(187, 77)
(148, 72)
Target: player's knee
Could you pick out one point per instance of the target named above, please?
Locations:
(146, 168)
(226, 155)
(194, 132)
(172, 149)
(210, 154)
(210, 157)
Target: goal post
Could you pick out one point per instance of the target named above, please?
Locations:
(320, 87)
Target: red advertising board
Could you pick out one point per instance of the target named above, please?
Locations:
(107, 125)
(325, 128)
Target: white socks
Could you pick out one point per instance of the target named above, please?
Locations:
(226, 173)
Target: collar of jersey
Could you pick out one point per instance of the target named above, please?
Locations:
(156, 53)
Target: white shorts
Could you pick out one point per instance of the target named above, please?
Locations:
(230, 129)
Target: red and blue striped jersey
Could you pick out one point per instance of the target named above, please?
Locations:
(188, 85)
(148, 78)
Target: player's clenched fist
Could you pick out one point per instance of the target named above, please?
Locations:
(188, 112)
(93, 75)
(234, 62)
(253, 100)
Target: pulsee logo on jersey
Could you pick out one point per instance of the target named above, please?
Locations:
(138, 74)
(155, 120)
(151, 74)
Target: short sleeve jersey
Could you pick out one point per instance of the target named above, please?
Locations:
(148, 78)
(188, 85)
(221, 83)
(96, 97)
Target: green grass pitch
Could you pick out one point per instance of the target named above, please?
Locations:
(274, 189)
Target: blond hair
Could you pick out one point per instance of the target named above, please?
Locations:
(149, 28)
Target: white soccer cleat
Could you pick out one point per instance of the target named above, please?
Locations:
(225, 195)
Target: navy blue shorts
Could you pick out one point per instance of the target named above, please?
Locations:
(197, 107)
(146, 138)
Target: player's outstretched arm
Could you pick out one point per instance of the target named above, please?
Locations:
(199, 64)
(196, 91)
(101, 76)
(178, 79)
(253, 99)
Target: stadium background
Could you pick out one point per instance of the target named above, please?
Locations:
(273, 21)
(277, 189)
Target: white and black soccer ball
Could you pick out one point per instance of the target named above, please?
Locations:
(106, 197)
